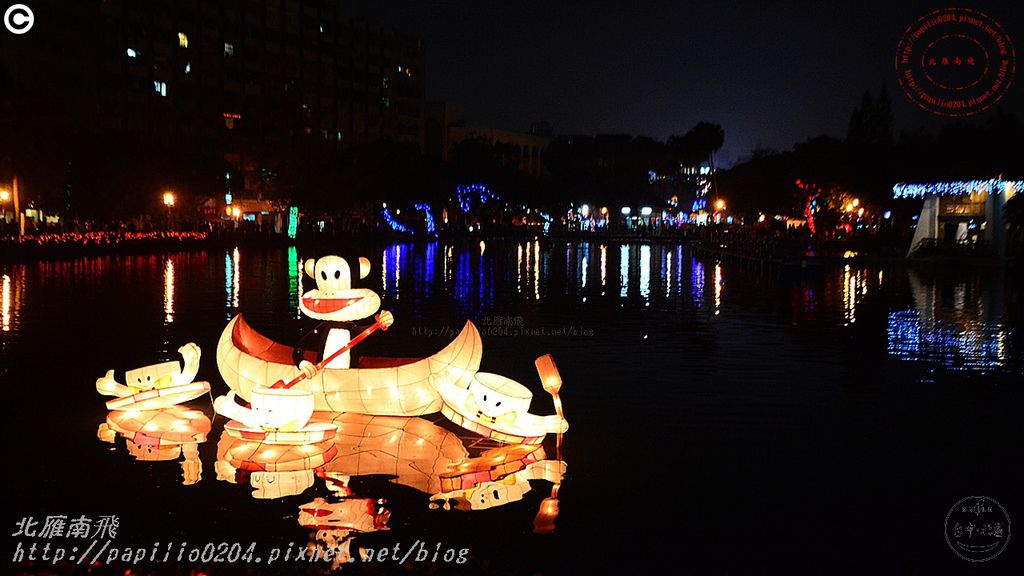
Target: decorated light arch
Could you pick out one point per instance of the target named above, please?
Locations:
(468, 193)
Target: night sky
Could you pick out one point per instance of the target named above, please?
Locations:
(771, 73)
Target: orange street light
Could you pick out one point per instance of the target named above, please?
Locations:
(168, 199)
(720, 205)
(236, 212)
(4, 195)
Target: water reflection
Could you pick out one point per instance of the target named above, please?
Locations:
(428, 272)
(295, 274)
(169, 291)
(6, 303)
(697, 282)
(160, 435)
(584, 251)
(645, 274)
(623, 271)
(959, 328)
(666, 272)
(232, 279)
(12, 299)
(536, 269)
(855, 287)
(604, 267)
(719, 284)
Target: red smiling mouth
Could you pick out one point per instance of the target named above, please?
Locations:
(328, 305)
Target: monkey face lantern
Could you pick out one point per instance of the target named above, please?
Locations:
(334, 299)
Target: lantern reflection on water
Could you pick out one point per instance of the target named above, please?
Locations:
(261, 457)
(496, 478)
(164, 427)
(412, 450)
(266, 485)
(160, 435)
(335, 524)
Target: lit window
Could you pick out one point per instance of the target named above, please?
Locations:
(132, 53)
(386, 82)
(182, 39)
(188, 67)
(229, 49)
(340, 135)
(386, 101)
(160, 87)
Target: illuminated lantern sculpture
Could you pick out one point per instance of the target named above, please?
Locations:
(387, 386)
(311, 433)
(498, 407)
(392, 386)
(273, 409)
(155, 386)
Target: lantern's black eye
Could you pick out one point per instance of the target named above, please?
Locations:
(323, 274)
(337, 274)
(485, 397)
(496, 495)
(498, 404)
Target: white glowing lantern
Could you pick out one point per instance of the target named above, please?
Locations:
(155, 386)
(311, 433)
(284, 409)
(387, 386)
(497, 407)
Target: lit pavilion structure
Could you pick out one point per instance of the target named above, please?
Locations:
(961, 212)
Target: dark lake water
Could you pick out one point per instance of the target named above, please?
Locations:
(721, 419)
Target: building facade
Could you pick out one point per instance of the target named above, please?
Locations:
(243, 80)
(446, 129)
(964, 214)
